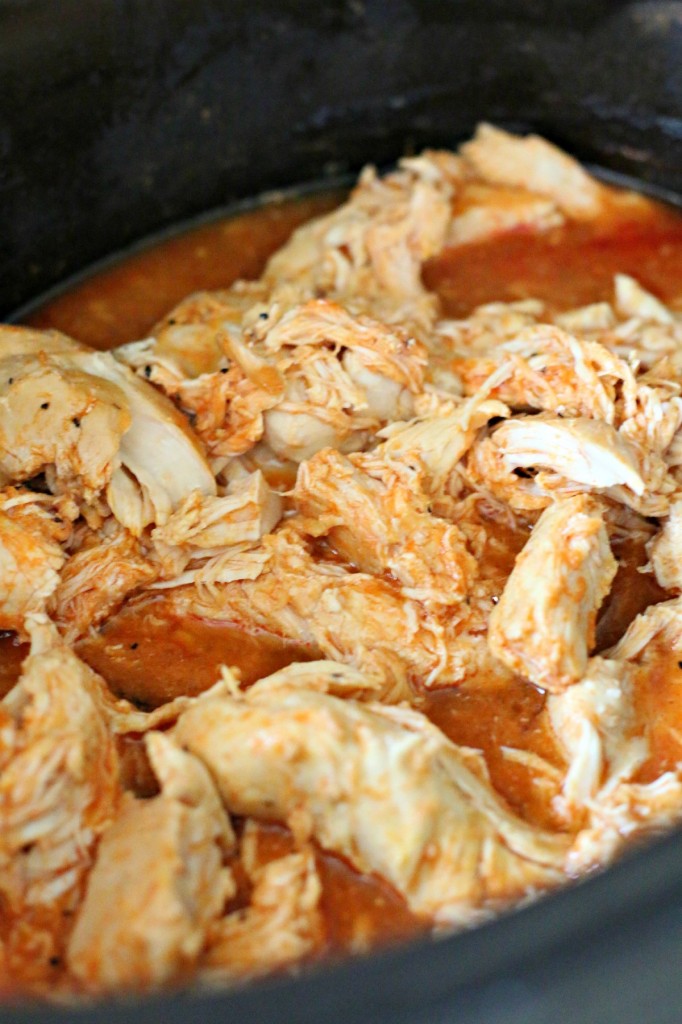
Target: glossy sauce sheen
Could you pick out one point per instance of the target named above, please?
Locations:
(149, 655)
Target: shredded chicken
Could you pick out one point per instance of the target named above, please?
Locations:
(96, 580)
(158, 882)
(59, 787)
(533, 164)
(376, 515)
(380, 786)
(326, 461)
(281, 926)
(666, 549)
(32, 535)
(352, 617)
(544, 623)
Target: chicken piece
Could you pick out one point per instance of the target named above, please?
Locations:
(605, 736)
(440, 439)
(579, 454)
(54, 414)
(321, 406)
(544, 623)
(96, 580)
(659, 620)
(605, 742)
(212, 540)
(665, 550)
(652, 421)
(344, 374)
(390, 352)
(158, 449)
(595, 317)
(631, 809)
(636, 326)
(651, 429)
(158, 882)
(380, 786)
(632, 300)
(59, 787)
(486, 328)
(368, 254)
(206, 368)
(303, 378)
(17, 342)
(87, 419)
(375, 513)
(281, 926)
(483, 211)
(533, 164)
(248, 511)
(33, 530)
(596, 725)
(348, 616)
(551, 370)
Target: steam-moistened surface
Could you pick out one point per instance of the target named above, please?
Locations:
(339, 605)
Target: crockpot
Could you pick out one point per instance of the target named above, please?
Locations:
(120, 118)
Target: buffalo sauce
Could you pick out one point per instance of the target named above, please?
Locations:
(148, 655)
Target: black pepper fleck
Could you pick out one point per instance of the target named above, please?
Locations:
(147, 372)
(11, 380)
(133, 647)
(263, 316)
(55, 961)
(223, 369)
(76, 422)
(45, 405)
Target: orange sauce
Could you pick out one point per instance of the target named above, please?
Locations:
(566, 267)
(147, 654)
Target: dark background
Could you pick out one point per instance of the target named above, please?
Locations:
(120, 117)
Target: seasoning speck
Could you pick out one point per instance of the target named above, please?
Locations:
(45, 405)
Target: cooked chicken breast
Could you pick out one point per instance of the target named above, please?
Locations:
(59, 787)
(533, 163)
(349, 616)
(382, 787)
(665, 550)
(323, 458)
(158, 881)
(375, 513)
(33, 530)
(544, 623)
(96, 579)
(281, 926)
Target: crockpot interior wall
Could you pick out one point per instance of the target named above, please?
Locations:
(119, 117)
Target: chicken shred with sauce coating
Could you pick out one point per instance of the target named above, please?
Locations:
(429, 511)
